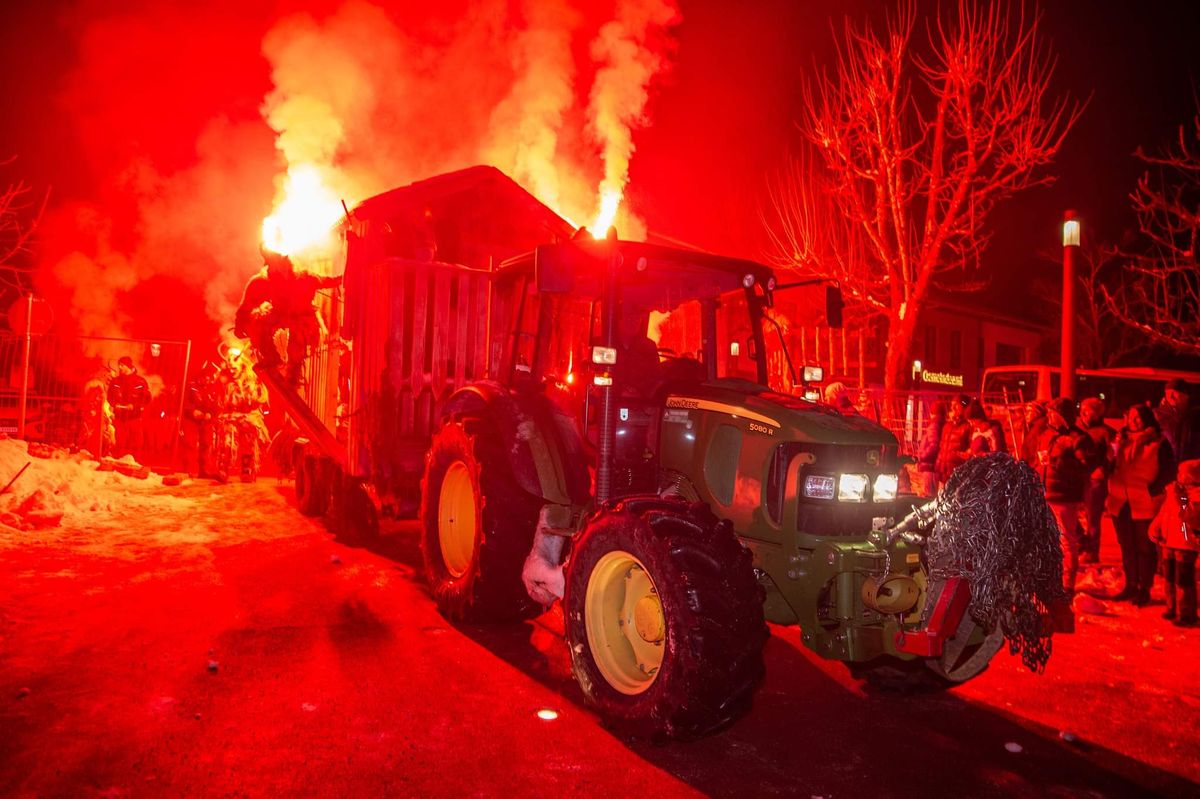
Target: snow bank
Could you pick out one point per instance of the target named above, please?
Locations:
(66, 486)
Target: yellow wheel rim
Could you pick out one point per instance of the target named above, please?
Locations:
(456, 519)
(626, 628)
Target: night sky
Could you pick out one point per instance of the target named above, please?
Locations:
(722, 118)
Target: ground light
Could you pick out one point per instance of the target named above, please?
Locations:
(546, 714)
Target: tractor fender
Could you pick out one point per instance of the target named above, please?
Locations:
(544, 448)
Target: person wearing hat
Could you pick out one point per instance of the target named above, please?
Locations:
(1035, 429)
(1177, 529)
(1142, 468)
(1067, 457)
(1179, 422)
(128, 394)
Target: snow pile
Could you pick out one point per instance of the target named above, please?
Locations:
(66, 486)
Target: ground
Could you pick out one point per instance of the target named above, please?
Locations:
(209, 640)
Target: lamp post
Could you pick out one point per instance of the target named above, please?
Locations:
(1070, 247)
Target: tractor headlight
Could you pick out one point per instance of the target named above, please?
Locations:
(852, 487)
(818, 486)
(885, 488)
(604, 356)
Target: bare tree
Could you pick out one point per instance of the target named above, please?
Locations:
(908, 149)
(19, 215)
(1161, 296)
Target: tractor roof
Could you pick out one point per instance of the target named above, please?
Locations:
(652, 276)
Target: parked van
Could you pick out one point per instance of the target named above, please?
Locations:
(1119, 388)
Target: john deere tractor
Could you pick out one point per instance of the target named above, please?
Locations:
(633, 462)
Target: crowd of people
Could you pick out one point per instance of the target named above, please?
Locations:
(1145, 477)
(222, 434)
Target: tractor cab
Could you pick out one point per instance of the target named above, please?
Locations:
(612, 328)
(700, 315)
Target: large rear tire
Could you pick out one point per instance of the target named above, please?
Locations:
(477, 526)
(664, 619)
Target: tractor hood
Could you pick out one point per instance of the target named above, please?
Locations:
(790, 418)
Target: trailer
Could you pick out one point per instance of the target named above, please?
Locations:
(408, 327)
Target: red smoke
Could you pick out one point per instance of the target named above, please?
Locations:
(190, 118)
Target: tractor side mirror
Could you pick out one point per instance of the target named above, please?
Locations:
(833, 306)
(552, 269)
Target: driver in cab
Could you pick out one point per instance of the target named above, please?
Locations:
(637, 368)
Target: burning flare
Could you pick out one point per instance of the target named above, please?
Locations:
(610, 201)
(628, 50)
(305, 216)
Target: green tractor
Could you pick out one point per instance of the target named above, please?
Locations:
(633, 462)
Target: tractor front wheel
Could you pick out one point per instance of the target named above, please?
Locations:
(664, 619)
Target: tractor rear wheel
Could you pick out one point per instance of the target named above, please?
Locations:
(477, 526)
(664, 619)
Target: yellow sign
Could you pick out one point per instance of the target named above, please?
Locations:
(942, 378)
(693, 403)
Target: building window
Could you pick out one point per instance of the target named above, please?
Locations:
(1009, 354)
(930, 344)
(955, 349)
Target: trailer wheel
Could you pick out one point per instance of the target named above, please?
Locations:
(312, 491)
(664, 619)
(476, 526)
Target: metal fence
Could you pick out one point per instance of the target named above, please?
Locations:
(43, 380)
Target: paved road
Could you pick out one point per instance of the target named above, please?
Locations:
(236, 648)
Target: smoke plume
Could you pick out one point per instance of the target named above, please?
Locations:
(199, 123)
(630, 48)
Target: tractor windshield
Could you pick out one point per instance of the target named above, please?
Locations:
(681, 317)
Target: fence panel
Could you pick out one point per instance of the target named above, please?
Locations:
(60, 369)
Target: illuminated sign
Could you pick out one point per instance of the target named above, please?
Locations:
(942, 378)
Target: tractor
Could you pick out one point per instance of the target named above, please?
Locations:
(630, 459)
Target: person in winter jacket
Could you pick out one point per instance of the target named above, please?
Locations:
(956, 438)
(1177, 529)
(1143, 466)
(927, 449)
(128, 394)
(1091, 421)
(1067, 457)
(987, 435)
(198, 429)
(1035, 429)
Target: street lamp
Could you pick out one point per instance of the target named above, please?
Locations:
(1070, 246)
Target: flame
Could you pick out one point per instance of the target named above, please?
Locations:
(305, 216)
(610, 201)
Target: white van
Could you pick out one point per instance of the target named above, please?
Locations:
(1119, 388)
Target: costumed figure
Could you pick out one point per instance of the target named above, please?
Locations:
(281, 297)
(96, 433)
(245, 401)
